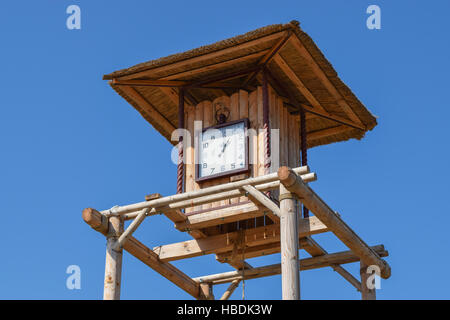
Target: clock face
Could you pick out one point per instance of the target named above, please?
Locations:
(222, 150)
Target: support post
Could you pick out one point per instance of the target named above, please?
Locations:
(366, 293)
(113, 264)
(207, 291)
(290, 275)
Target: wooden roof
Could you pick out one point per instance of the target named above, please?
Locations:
(297, 70)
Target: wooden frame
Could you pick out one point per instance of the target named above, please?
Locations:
(258, 241)
(227, 173)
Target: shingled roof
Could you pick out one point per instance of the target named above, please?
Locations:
(298, 71)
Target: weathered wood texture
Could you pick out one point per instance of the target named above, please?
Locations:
(113, 261)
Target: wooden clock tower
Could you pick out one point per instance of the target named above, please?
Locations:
(248, 108)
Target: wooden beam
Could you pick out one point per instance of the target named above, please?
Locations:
(149, 109)
(343, 257)
(314, 249)
(318, 134)
(168, 83)
(269, 55)
(260, 198)
(224, 242)
(329, 116)
(216, 66)
(167, 270)
(315, 204)
(165, 201)
(324, 79)
(212, 55)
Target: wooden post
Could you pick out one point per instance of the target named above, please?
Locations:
(207, 291)
(113, 264)
(366, 293)
(290, 275)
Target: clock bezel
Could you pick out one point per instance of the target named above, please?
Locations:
(227, 173)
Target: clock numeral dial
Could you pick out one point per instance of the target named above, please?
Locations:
(222, 150)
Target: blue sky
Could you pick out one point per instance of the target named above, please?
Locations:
(69, 142)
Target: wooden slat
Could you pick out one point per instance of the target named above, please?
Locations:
(224, 242)
(324, 79)
(189, 153)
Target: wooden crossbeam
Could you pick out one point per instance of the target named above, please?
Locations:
(269, 55)
(337, 258)
(220, 65)
(324, 79)
(333, 221)
(318, 134)
(315, 250)
(167, 270)
(329, 116)
(149, 109)
(224, 242)
(212, 55)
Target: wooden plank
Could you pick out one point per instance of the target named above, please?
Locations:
(221, 216)
(259, 236)
(208, 120)
(167, 270)
(212, 55)
(149, 109)
(320, 74)
(168, 83)
(269, 55)
(315, 204)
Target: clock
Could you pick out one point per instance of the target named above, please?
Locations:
(222, 150)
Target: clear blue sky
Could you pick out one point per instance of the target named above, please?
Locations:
(69, 142)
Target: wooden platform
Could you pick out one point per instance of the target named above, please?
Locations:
(234, 233)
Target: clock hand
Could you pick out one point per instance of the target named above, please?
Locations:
(224, 146)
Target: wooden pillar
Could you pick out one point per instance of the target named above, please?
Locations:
(113, 264)
(207, 291)
(290, 271)
(366, 293)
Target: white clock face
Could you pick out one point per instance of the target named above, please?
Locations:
(222, 150)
